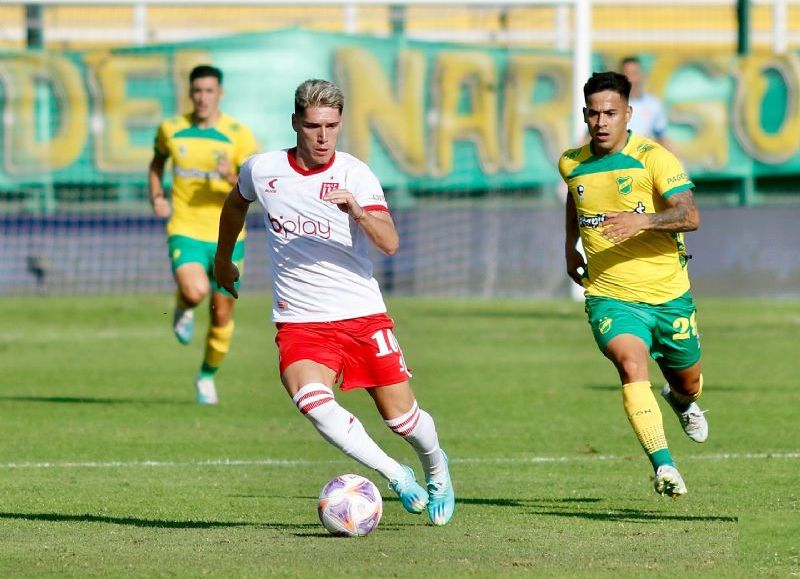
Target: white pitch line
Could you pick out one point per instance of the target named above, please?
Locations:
(303, 462)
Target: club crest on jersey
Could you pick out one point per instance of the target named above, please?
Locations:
(625, 185)
(580, 189)
(326, 187)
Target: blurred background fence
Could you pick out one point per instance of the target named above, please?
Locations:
(461, 108)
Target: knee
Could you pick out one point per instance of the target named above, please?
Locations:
(631, 369)
(195, 293)
(310, 397)
(688, 385)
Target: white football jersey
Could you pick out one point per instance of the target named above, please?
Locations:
(321, 271)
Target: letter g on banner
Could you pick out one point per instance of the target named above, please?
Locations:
(751, 91)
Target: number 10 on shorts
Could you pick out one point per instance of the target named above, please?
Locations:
(388, 345)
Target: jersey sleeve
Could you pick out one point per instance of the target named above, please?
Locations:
(247, 187)
(562, 167)
(669, 176)
(160, 148)
(568, 161)
(366, 189)
(246, 146)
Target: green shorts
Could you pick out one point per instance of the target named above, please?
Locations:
(184, 250)
(669, 330)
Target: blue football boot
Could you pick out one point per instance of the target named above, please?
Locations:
(411, 493)
(441, 498)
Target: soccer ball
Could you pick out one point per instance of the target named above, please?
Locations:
(350, 506)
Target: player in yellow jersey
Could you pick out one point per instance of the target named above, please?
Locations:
(629, 203)
(206, 148)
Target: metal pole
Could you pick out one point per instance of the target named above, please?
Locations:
(743, 21)
(397, 19)
(582, 64)
(780, 19)
(350, 18)
(34, 25)
(140, 24)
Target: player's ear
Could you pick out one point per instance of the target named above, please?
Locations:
(628, 113)
(295, 123)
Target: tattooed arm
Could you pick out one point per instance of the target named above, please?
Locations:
(681, 215)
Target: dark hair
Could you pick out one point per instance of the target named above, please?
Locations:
(602, 81)
(630, 60)
(205, 71)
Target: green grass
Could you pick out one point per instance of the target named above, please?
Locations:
(108, 468)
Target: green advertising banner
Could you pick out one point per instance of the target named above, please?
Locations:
(425, 116)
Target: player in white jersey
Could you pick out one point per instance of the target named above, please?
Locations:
(322, 210)
(649, 118)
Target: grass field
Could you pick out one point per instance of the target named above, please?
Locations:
(109, 468)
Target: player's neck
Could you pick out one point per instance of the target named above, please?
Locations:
(208, 122)
(306, 162)
(616, 149)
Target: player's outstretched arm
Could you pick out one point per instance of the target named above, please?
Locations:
(231, 222)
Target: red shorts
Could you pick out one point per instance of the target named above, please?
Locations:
(362, 351)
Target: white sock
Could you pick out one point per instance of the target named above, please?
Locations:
(417, 427)
(342, 429)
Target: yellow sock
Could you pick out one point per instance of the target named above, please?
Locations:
(686, 400)
(645, 418)
(218, 342)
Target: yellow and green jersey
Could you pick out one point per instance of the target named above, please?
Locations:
(198, 191)
(650, 267)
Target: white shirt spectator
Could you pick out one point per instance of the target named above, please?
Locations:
(649, 119)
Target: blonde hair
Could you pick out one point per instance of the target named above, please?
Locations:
(317, 93)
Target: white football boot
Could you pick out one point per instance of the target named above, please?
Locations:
(692, 419)
(669, 482)
(183, 325)
(205, 390)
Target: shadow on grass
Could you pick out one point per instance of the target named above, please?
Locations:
(604, 387)
(131, 521)
(659, 381)
(89, 400)
(522, 502)
(516, 314)
(633, 516)
(581, 508)
(322, 534)
(499, 502)
(299, 529)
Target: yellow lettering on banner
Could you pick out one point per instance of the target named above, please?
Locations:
(708, 119)
(371, 102)
(114, 150)
(521, 113)
(751, 90)
(183, 61)
(25, 78)
(476, 72)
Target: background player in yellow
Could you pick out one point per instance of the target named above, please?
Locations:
(206, 148)
(629, 203)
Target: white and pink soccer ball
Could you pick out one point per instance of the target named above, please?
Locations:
(350, 506)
